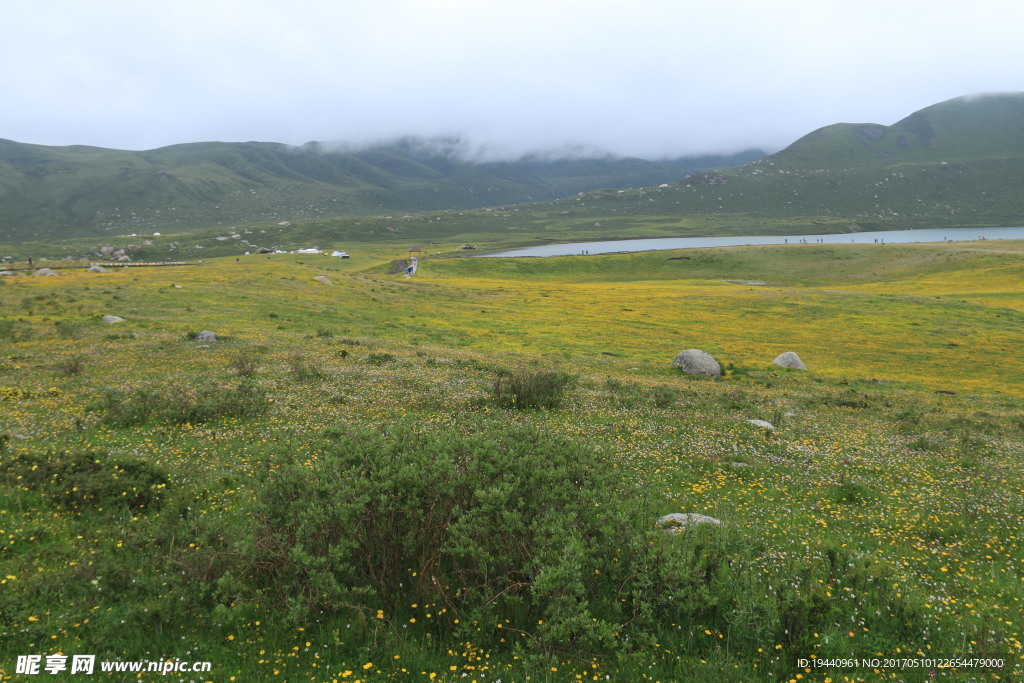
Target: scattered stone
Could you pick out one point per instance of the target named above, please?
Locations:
(789, 359)
(739, 465)
(5, 273)
(324, 279)
(96, 269)
(106, 250)
(697, 362)
(206, 336)
(46, 271)
(761, 423)
(111, 319)
(177, 286)
(678, 521)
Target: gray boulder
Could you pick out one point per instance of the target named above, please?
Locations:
(676, 522)
(45, 271)
(324, 279)
(697, 362)
(763, 424)
(96, 269)
(111, 319)
(206, 336)
(789, 359)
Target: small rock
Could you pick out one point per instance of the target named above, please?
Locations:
(46, 271)
(324, 279)
(4, 273)
(761, 423)
(789, 359)
(677, 521)
(111, 319)
(96, 269)
(697, 362)
(206, 336)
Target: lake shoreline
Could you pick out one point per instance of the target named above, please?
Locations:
(911, 236)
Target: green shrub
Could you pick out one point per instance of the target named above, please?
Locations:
(246, 365)
(523, 389)
(70, 366)
(303, 369)
(183, 405)
(67, 329)
(90, 479)
(663, 396)
(508, 526)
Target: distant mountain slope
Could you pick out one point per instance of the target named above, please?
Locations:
(956, 163)
(963, 129)
(960, 162)
(56, 192)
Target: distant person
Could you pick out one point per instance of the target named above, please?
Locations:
(29, 261)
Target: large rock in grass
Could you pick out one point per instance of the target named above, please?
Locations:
(96, 269)
(697, 362)
(677, 522)
(790, 360)
(206, 336)
(324, 279)
(111, 319)
(46, 271)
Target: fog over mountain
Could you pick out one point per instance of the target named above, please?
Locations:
(650, 79)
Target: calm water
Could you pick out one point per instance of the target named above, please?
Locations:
(886, 237)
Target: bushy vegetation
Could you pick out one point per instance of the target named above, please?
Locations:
(284, 505)
(503, 526)
(181, 405)
(89, 479)
(523, 389)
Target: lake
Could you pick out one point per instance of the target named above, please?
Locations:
(883, 237)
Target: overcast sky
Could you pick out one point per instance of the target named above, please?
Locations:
(648, 78)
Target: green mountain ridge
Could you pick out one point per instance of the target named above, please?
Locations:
(956, 163)
(77, 191)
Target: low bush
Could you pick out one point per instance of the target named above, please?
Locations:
(89, 479)
(184, 405)
(302, 369)
(67, 329)
(501, 526)
(70, 366)
(524, 389)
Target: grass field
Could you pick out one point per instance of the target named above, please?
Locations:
(339, 487)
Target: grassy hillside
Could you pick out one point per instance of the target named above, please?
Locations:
(347, 486)
(59, 192)
(957, 163)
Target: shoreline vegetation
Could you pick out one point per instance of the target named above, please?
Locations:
(456, 476)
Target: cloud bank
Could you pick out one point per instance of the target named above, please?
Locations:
(650, 78)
